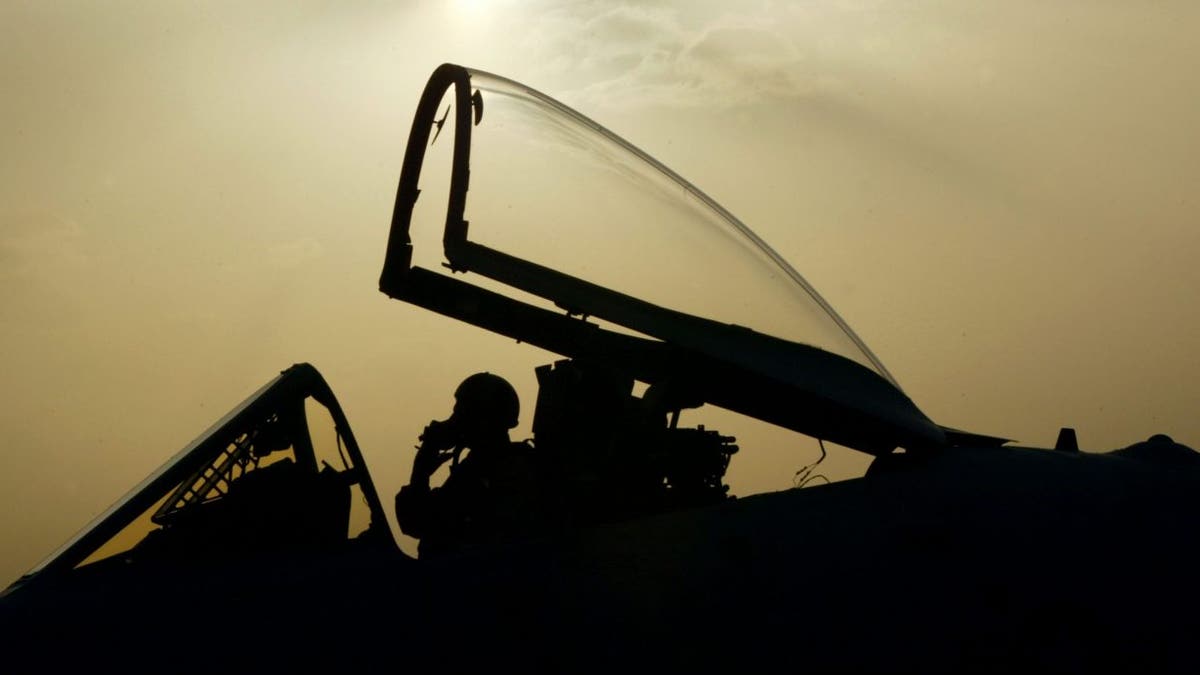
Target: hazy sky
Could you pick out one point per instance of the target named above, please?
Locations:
(998, 196)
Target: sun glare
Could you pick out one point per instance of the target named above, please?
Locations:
(472, 9)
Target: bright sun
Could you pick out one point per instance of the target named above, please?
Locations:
(472, 8)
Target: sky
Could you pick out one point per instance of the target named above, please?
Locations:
(997, 196)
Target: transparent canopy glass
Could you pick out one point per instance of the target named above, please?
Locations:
(559, 190)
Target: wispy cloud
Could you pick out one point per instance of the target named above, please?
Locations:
(625, 55)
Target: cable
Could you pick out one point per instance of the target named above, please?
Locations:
(801, 477)
(814, 477)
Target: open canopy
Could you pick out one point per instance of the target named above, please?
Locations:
(559, 221)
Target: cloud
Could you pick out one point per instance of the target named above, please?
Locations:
(626, 56)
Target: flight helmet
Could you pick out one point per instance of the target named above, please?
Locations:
(487, 400)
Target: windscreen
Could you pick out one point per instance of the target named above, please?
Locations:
(278, 474)
(260, 491)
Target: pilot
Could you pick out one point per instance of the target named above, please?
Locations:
(492, 490)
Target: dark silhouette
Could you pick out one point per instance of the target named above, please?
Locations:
(611, 455)
(492, 491)
(439, 124)
(961, 553)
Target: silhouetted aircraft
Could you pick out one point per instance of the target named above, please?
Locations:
(264, 545)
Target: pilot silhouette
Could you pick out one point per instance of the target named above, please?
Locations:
(492, 491)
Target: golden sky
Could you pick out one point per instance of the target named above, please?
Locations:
(998, 196)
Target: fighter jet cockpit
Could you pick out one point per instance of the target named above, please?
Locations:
(643, 297)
